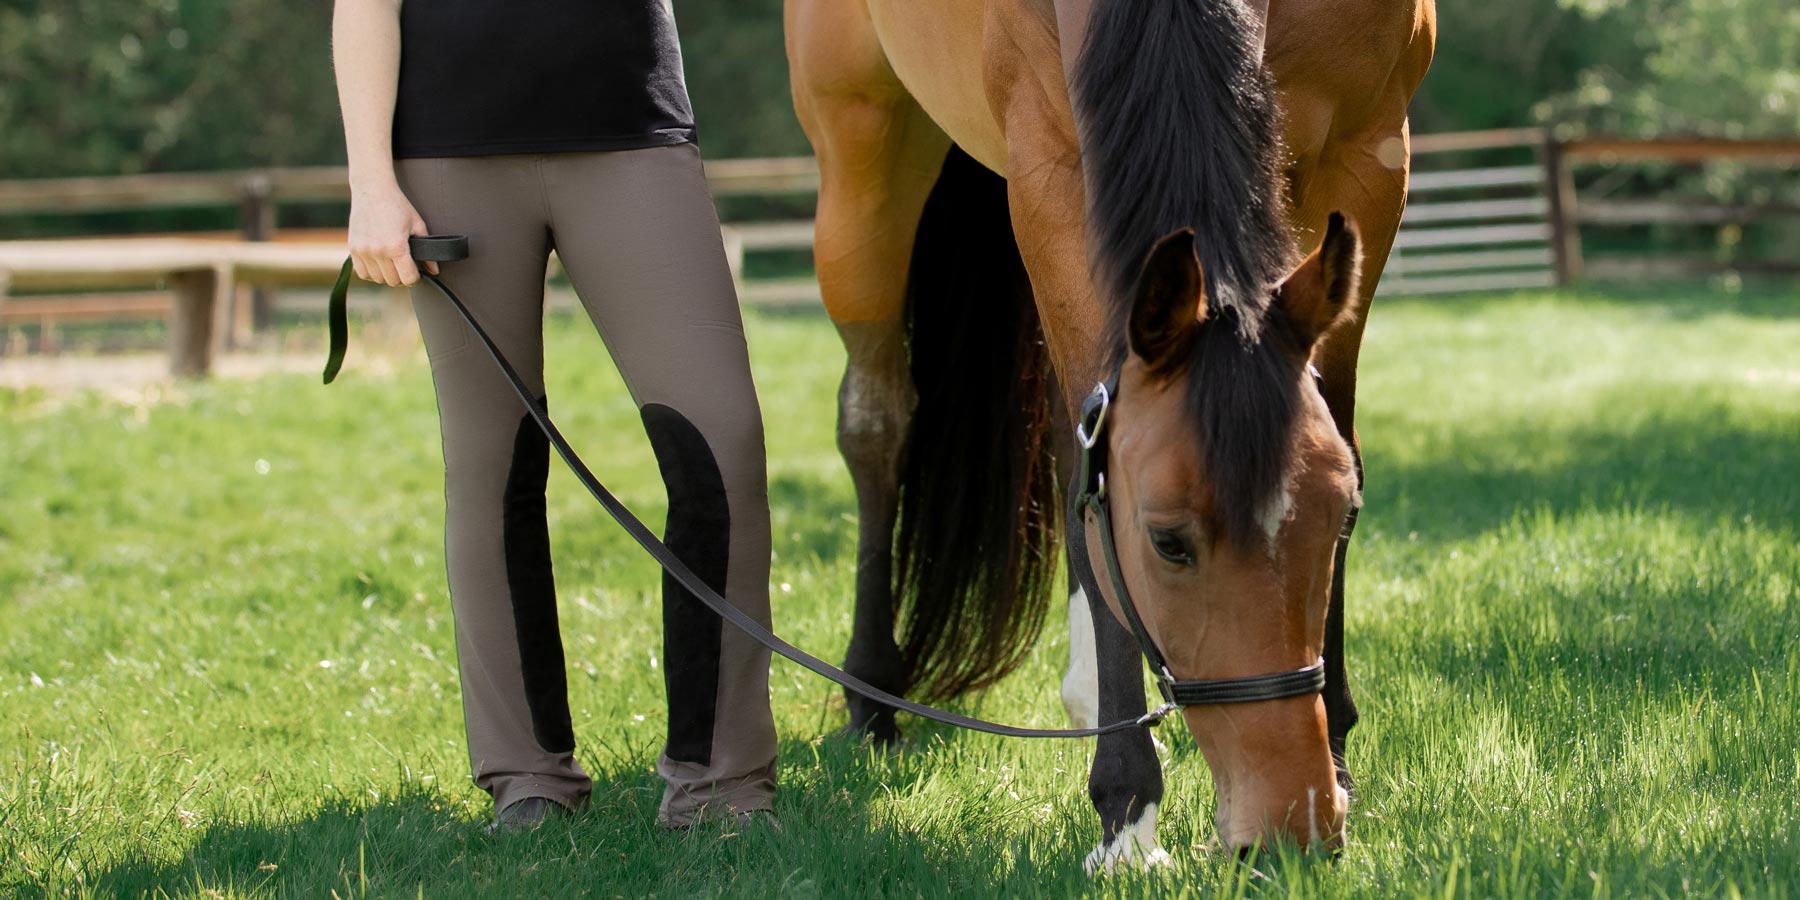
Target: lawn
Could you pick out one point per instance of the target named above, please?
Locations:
(228, 667)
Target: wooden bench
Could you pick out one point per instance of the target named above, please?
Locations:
(201, 274)
(196, 265)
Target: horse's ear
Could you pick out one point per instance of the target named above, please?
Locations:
(1169, 301)
(1318, 294)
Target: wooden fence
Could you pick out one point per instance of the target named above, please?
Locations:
(1522, 224)
(1515, 223)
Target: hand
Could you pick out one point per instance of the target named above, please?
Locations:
(381, 220)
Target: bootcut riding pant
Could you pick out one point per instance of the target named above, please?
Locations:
(638, 235)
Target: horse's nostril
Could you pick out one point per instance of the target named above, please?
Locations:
(1248, 853)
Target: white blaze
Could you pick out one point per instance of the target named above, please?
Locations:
(1275, 512)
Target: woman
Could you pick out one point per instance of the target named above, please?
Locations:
(565, 124)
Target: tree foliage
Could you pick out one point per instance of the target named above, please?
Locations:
(120, 86)
(1724, 68)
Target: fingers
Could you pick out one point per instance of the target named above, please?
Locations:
(390, 274)
(379, 226)
(394, 268)
(406, 269)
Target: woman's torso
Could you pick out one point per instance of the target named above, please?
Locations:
(481, 77)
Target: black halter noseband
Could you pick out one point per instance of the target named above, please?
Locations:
(1091, 433)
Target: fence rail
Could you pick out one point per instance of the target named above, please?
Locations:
(1496, 227)
(255, 188)
(1475, 228)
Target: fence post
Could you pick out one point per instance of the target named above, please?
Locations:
(191, 324)
(1565, 228)
(256, 217)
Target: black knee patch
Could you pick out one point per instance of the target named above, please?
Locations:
(699, 532)
(526, 535)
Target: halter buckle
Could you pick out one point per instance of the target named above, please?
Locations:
(1165, 685)
(1093, 416)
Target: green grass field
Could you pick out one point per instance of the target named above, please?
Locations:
(228, 668)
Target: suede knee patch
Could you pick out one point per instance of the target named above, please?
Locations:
(699, 532)
(526, 535)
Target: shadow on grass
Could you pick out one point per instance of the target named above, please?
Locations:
(1695, 463)
(1771, 298)
(834, 840)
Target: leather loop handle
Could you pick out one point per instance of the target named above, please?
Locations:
(439, 247)
(424, 248)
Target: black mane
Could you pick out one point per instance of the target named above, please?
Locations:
(1179, 128)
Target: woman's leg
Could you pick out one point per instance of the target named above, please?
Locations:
(515, 696)
(638, 235)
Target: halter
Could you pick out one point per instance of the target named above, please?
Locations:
(1091, 433)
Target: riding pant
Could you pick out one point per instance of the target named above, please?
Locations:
(638, 235)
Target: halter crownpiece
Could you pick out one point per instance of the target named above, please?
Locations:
(1176, 693)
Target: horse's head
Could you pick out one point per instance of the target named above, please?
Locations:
(1228, 485)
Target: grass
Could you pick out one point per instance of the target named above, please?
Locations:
(228, 666)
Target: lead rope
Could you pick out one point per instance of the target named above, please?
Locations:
(450, 248)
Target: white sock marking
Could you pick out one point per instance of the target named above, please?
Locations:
(1135, 844)
(1081, 686)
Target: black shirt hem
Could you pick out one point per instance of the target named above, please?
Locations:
(661, 138)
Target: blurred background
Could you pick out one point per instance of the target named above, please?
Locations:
(110, 87)
(133, 91)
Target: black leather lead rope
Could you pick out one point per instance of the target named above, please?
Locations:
(449, 248)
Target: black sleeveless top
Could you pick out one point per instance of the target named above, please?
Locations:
(481, 77)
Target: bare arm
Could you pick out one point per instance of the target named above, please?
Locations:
(365, 40)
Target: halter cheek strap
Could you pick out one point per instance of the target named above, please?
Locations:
(1091, 433)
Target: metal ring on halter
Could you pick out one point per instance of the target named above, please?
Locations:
(1088, 430)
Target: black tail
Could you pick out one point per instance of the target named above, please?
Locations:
(975, 547)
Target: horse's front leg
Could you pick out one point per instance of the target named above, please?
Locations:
(1365, 178)
(1047, 200)
(1125, 783)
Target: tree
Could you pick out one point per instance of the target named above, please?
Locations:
(108, 87)
(1725, 68)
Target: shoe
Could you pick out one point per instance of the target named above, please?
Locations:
(525, 815)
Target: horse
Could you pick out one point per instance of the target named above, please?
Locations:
(1019, 198)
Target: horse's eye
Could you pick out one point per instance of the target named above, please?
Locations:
(1170, 546)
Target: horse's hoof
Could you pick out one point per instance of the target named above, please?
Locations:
(875, 735)
(877, 727)
(1126, 853)
(1134, 845)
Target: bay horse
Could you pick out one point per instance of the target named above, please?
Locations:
(1019, 197)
